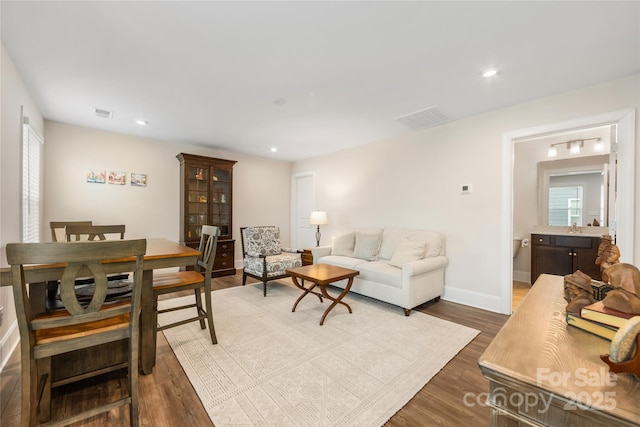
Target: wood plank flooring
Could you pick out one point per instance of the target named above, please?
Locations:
(452, 398)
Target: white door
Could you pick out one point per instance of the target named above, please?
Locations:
(302, 203)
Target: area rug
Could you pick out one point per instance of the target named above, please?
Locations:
(272, 367)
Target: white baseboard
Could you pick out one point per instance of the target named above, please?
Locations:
(8, 344)
(522, 276)
(473, 299)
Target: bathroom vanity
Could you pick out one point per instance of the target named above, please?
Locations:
(563, 254)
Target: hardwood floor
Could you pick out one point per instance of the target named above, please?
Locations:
(454, 397)
(520, 290)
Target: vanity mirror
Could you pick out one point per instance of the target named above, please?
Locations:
(574, 191)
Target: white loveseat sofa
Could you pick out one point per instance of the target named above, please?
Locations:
(398, 266)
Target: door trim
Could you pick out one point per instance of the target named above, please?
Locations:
(625, 220)
(294, 201)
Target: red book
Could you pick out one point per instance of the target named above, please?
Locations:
(599, 313)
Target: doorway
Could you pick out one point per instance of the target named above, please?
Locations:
(302, 203)
(622, 218)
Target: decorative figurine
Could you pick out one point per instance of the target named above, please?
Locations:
(625, 296)
(577, 291)
(608, 255)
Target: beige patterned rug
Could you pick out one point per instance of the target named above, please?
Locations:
(272, 367)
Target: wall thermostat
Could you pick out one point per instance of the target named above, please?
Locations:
(465, 188)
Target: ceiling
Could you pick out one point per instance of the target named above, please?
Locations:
(306, 77)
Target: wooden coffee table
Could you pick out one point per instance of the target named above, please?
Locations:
(322, 275)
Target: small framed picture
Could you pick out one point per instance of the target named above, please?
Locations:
(138, 179)
(117, 177)
(96, 176)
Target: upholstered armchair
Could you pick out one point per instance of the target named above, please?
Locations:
(263, 257)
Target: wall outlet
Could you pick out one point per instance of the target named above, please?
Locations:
(465, 188)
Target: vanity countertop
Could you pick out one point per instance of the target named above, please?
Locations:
(584, 231)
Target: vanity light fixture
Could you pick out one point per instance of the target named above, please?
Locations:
(574, 146)
(142, 122)
(598, 147)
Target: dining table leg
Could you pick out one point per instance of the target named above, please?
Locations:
(147, 318)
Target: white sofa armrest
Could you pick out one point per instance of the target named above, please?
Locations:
(424, 265)
(320, 251)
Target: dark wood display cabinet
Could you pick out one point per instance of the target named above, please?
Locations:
(206, 197)
(562, 255)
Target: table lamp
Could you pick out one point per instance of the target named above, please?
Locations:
(318, 218)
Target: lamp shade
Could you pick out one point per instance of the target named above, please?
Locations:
(318, 218)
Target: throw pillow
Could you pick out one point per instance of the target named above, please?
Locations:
(343, 244)
(407, 251)
(367, 245)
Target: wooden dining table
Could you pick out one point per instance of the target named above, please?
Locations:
(161, 253)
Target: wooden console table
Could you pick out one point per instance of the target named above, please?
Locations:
(543, 372)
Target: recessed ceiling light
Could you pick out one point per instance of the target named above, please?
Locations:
(142, 122)
(274, 149)
(490, 72)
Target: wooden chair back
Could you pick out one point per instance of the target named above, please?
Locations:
(93, 232)
(61, 226)
(78, 325)
(198, 279)
(207, 247)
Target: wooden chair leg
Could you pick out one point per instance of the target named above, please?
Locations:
(212, 330)
(29, 389)
(133, 383)
(264, 288)
(199, 307)
(244, 278)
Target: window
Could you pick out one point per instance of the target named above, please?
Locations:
(566, 205)
(31, 148)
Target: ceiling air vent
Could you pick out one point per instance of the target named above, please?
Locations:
(429, 117)
(105, 114)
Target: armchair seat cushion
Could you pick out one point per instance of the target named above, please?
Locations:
(276, 264)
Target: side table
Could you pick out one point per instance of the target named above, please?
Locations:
(307, 256)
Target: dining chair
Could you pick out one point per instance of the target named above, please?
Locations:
(78, 325)
(92, 232)
(60, 226)
(197, 279)
(263, 256)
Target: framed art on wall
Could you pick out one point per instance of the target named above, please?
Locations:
(138, 179)
(98, 177)
(117, 177)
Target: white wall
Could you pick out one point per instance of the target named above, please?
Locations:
(414, 181)
(260, 185)
(16, 101)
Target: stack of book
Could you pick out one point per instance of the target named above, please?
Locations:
(599, 320)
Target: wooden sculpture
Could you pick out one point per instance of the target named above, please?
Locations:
(577, 291)
(608, 255)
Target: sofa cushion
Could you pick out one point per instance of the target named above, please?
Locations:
(392, 236)
(407, 251)
(367, 245)
(380, 272)
(343, 244)
(390, 239)
(342, 261)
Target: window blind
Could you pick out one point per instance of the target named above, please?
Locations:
(31, 167)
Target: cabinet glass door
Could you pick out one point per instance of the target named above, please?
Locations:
(197, 198)
(221, 200)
